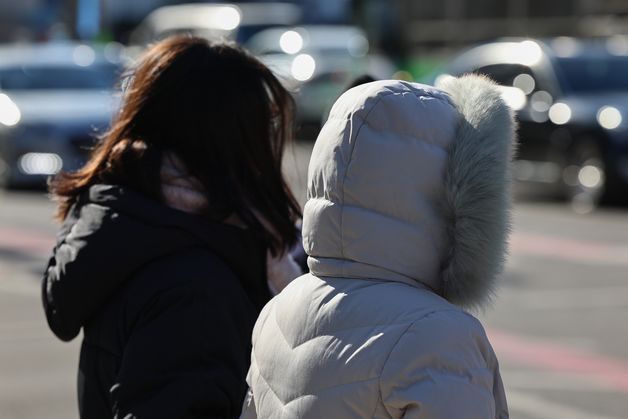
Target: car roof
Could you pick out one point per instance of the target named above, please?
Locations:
(207, 16)
(270, 13)
(327, 34)
(508, 50)
(315, 37)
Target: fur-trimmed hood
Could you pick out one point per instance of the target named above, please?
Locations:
(411, 183)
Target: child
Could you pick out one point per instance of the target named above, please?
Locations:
(405, 226)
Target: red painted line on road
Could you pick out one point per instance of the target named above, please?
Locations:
(533, 244)
(554, 357)
(26, 241)
(570, 250)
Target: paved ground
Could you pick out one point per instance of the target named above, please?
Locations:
(558, 326)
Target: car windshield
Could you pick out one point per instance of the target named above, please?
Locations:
(97, 76)
(588, 74)
(246, 32)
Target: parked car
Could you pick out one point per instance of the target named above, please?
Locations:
(53, 99)
(571, 96)
(317, 62)
(233, 21)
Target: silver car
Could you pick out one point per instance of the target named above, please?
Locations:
(317, 62)
(54, 100)
(235, 21)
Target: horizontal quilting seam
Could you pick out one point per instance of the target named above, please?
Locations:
(421, 93)
(348, 329)
(379, 213)
(320, 198)
(334, 203)
(463, 374)
(335, 386)
(409, 322)
(349, 115)
(320, 390)
(346, 275)
(329, 334)
(404, 136)
(312, 394)
(419, 231)
(416, 226)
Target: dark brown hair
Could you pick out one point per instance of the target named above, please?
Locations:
(223, 113)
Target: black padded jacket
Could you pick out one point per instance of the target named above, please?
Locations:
(166, 300)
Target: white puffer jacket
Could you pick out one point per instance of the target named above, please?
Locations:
(406, 223)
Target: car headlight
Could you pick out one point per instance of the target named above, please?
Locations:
(291, 42)
(303, 67)
(9, 112)
(609, 117)
(560, 113)
(40, 163)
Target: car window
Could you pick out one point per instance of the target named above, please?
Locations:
(587, 74)
(514, 75)
(522, 88)
(98, 76)
(247, 32)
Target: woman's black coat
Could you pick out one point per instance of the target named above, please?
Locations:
(167, 303)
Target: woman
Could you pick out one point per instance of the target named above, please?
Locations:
(161, 259)
(406, 223)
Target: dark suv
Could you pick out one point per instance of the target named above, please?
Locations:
(572, 101)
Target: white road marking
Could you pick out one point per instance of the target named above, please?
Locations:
(541, 408)
(569, 298)
(15, 282)
(555, 381)
(570, 250)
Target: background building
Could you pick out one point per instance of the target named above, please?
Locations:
(397, 26)
(438, 23)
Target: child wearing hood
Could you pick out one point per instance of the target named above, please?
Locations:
(405, 227)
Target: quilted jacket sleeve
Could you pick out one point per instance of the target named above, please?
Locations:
(443, 366)
(249, 410)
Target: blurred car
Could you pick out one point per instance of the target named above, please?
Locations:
(571, 97)
(318, 62)
(52, 99)
(214, 21)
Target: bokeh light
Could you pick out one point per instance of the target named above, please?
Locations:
(291, 42)
(303, 67)
(9, 112)
(609, 117)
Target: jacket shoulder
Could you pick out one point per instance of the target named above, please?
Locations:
(441, 362)
(191, 270)
(191, 265)
(446, 332)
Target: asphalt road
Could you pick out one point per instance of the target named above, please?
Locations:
(559, 324)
